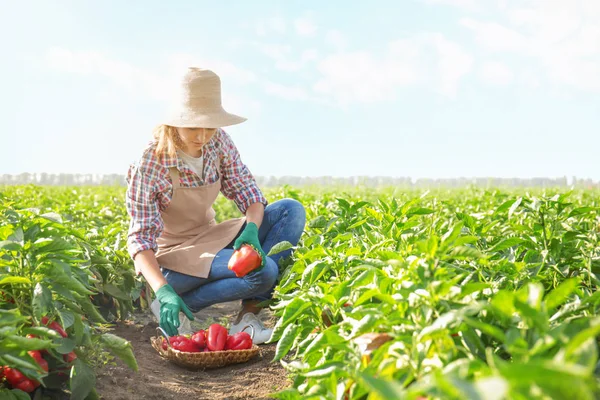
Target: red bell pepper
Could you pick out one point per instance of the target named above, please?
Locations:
(184, 344)
(200, 338)
(244, 260)
(17, 380)
(69, 358)
(216, 337)
(239, 341)
(37, 356)
(55, 326)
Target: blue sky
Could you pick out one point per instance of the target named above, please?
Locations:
(418, 88)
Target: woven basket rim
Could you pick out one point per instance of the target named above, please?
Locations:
(213, 359)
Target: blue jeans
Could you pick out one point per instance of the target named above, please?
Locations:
(284, 220)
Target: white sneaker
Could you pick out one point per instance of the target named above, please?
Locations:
(261, 334)
(185, 326)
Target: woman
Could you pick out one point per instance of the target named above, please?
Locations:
(173, 237)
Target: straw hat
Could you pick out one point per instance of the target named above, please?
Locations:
(198, 104)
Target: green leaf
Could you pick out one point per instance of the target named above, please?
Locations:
(471, 288)
(10, 245)
(313, 272)
(115, 292)
(290, 314)
(579, 339)
(20, 363)
(13, 394)
(41, 331)
(280, 247)
(15, 280)
(286, 341)
(561, 293)
(319, 222)
(90, 310)
(486, 328)
(42, 301)
(582, 211)
(65, 345)
(121, 348)
(78, 327)
(386, 389)
(288, 394)
(67, 317)
(23, 343)
(82, 380)
(506, 244)
(10, 318)
(325, 369)
(419, 211)
(514, 207)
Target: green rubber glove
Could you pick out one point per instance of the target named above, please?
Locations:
(250, 236)
(170, 306)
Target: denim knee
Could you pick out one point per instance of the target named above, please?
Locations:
(296, 214)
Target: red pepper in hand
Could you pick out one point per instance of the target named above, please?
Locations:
(55, 326)
(244, 260)
(216, 337)
(200, 338)
(239, 341)
(184, 344)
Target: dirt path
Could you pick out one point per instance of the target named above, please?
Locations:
(160, 379)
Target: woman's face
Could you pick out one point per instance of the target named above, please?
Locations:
(194, 138)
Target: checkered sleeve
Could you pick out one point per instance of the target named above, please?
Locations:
(238, 183)
(142, 206)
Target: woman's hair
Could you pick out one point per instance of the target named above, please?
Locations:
(168, 140)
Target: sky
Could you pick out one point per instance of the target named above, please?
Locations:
(410, 88)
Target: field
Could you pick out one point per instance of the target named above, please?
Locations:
(448, 294)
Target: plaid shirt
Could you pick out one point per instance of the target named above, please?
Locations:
(149, 187)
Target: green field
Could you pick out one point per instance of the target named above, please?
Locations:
(448, 294)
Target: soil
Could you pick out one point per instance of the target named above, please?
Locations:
(160, 379)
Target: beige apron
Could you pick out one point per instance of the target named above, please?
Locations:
(191, 237)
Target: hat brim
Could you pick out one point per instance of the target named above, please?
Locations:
(217, 120)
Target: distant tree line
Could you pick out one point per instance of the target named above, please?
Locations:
(296, 181)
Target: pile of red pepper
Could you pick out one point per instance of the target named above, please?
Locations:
(16, 379)
(216, 338)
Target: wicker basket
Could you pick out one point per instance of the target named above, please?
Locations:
(202, 360)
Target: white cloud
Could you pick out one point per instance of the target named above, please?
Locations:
(286, 92)
(144, 83)
(561, 37)
(362, 77)
(277, 24)
(467, 4)
(94, 63)
(336, 39)
(496, 73)
(283, 56)
(305, 26)
(496, 37)
(274, 24)
(309, 55)
(453, 64)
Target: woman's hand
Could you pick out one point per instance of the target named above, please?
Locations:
(170, 306)
(170, 302)
(250, 236)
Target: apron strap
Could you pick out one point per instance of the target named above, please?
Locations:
(174, 177)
